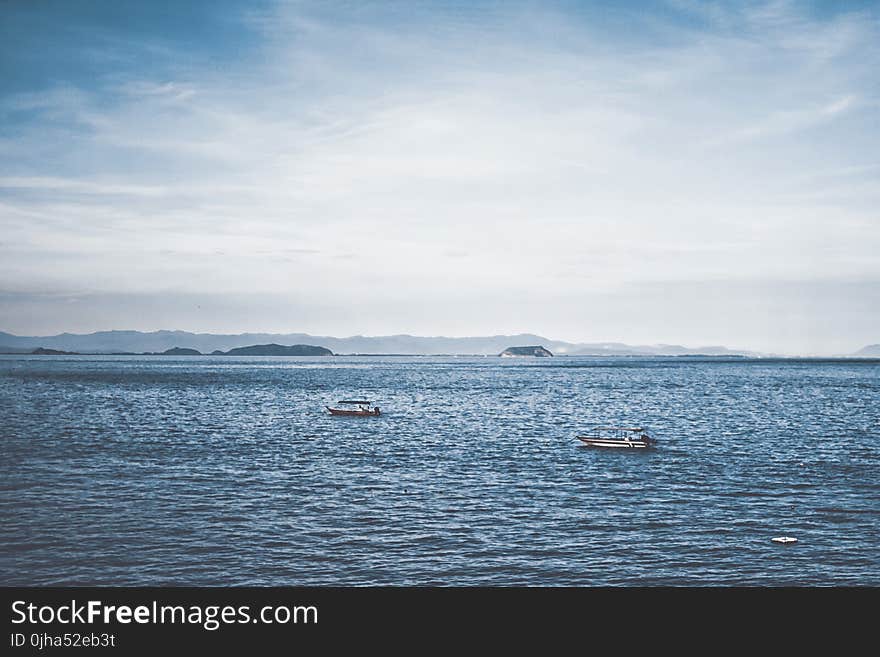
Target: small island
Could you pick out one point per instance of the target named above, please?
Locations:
(42, 351)
(181, 351)
(536, 351)
(279, 350)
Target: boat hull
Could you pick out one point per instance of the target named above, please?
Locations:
(340, 411)
(613, 443)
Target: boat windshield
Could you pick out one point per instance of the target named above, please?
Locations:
(619, 432)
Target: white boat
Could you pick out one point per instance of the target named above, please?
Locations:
(620, 437)
(355, 407)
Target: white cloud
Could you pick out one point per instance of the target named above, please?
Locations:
(556, 155)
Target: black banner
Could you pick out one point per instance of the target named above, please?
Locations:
(157, 619)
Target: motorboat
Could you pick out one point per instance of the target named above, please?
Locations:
(355, 407)
(622, 437)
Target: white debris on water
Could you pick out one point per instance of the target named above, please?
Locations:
(784, 539)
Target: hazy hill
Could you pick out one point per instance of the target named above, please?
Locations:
(870, 351)
(4, 349)
(160, 341)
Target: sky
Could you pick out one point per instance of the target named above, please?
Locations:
(693, 173)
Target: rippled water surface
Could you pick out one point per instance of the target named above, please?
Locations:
(221, 471)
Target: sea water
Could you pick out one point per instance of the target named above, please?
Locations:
(123, 470)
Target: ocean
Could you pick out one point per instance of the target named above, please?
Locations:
(210, 471)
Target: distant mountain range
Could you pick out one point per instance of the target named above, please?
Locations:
(160, 341)
(250, 350)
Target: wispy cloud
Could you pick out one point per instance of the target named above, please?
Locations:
(785, 122)
(47, 184)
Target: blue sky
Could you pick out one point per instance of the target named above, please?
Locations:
(684, 172)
